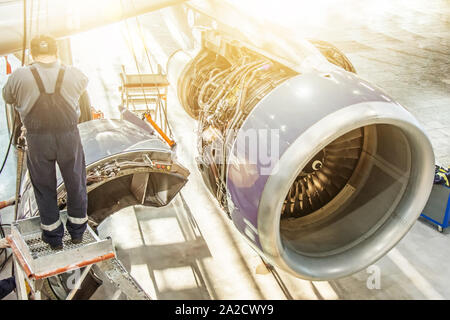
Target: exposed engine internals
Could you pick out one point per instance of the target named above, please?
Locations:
(220, 93)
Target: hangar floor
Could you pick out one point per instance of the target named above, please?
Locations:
(189, 249)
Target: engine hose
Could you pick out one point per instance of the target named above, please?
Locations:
(244, 85)
(233, 72)
(10, 143)
(227, 82)
(218, 93)
(239, 76)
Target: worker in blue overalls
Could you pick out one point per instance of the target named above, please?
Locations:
(46, 94)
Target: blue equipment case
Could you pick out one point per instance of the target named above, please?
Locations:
(437, 209)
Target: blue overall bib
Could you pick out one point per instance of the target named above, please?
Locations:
(53, 137)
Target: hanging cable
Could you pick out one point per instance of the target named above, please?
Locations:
(160, 106)
(21, 139)
(46, 11)
(149, 56)
(31, 20)
(158, 103)
(10, 143)
(24, 43)
(24, 47)
(38, 17)
(21, 143)
(130, 45)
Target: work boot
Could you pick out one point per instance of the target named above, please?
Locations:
(54, 238)
(77, 240)
(54, 243)
(76, 231)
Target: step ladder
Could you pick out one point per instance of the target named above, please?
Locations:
(145, 95)
(144, 92)
(34, 260)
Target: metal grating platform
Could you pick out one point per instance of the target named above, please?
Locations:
(39, 261)
(38, 248)
(36, 260)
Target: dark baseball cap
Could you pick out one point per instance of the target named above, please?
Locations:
(43, 44)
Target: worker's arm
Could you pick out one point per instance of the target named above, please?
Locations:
(80, 79)
(84, 99)
(4, 243)
(79, 83)
(85, 107)
(8, 91)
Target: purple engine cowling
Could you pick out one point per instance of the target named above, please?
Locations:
(323, 176)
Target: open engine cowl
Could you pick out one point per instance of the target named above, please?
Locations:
(125, 165)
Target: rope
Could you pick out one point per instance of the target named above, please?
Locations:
(20, 147)
(24, 43)
(21, 139)
(46, 10)
(31, 20)
(131, 46)
(148, 54)
(38, 17)
(159, 105)
(20, 158)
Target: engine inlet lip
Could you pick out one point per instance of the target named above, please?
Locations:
(383, 239)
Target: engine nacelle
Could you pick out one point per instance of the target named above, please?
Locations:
(322, 172)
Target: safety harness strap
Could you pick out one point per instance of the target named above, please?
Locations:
(41, 84)
(38, 79)
(59, 79)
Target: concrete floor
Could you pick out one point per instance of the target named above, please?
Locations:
(190, 250)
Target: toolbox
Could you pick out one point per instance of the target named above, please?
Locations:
(437, 209)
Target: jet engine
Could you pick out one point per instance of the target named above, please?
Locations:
(321, 171)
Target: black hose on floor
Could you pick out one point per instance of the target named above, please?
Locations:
(10, 143)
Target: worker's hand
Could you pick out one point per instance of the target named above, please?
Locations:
(4, 243)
